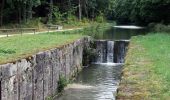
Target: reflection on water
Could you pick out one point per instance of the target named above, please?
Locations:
(129, 27)
(97, 82)
(117, 33)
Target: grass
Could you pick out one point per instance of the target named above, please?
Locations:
(17, 47)
(146, 75)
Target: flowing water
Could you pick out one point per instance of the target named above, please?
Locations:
(110, 51)
(100, 80)
(97, 82)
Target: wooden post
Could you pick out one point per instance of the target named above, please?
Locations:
(48, 29)
(21, 32)
(7, 34)
(79, 10)
(34, 31)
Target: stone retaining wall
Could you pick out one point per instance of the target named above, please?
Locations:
(36, 77)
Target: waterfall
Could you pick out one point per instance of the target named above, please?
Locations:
(101, 51)
(110, 51)
(120, 51)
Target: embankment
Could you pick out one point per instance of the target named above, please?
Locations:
(146, 72)
(36, 77)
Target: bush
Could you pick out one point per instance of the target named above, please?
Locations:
(159, 27)
(71, 19)
(100, 19)
(85, 20)
(57, 15)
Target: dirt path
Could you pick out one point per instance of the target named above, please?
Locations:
(63, 30)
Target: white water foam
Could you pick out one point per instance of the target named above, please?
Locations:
(109, 64)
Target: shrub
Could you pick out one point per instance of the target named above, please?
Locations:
(159, 27)
(85, 20)
(100, 19)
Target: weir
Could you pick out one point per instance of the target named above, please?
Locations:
(110, 51)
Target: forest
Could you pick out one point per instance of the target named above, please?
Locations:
(140, 12)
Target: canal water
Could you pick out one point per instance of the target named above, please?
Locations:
(100, 80)
(115, 33)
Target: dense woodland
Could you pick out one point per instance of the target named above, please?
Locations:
(59, 11)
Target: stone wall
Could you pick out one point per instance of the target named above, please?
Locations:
(36, 77)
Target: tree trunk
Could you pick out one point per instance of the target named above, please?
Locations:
(93, 14)
(80, 13)
(29, 16)
(86, 9)
(19, 14)
(1, 12)
(50, 11)
(24, 13)
(69, 8)
(69, 4)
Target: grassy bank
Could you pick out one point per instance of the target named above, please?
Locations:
(146, 75)
(16, 47)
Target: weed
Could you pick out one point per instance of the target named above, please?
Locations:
(62, 83)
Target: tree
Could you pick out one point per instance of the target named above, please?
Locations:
(142, 11)
(50, 11)
(1, 12)
(80, 10)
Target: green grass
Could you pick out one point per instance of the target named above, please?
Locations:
(16, 47)
(146, 75)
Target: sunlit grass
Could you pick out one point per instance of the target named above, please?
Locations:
(146, 74)
(16, 47)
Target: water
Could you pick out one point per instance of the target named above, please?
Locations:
(97, 82)
(110, 51)
(117, 33)
(120, 51)
(100, 81)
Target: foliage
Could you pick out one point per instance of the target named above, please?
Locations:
(89, 54)
(100, 18)
(159, 27)
(49, 98)
(142, 11)
(57, 15)
(62, 83)
(54, 11)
